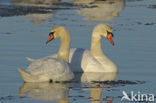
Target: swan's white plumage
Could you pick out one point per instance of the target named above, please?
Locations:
(83, 59)
(50, 68)
(89, 63)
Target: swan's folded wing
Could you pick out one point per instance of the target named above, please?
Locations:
(52, 66)
(55, 69)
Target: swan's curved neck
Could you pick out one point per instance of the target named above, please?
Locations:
(96, 49)
(64, 46)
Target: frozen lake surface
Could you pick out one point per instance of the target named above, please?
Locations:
(24, 29)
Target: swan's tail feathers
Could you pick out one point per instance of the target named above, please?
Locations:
(30, 59)
(26, 77)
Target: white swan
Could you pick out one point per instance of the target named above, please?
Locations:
(93, 60)
(51, 69)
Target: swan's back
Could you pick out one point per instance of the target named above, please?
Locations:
(52, 68)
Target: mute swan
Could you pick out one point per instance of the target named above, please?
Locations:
(51, 69)
(93, 60)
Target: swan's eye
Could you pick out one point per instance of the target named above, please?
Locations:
(51, 33)
(109, 33)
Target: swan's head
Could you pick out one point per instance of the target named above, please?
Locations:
(104, 30)
(56, 32)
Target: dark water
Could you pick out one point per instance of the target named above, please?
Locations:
(24, 28)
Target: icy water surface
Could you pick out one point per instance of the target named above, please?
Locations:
(24, 28)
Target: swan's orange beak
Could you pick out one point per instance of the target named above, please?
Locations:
(50, 38)
(109, 37)
(109, 102)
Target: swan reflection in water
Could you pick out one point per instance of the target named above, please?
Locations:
(60, 91)
(46, 91)
(41, 5)
(96, 83)
(100, 10)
